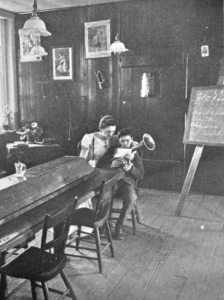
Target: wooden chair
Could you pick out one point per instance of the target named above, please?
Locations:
(44, 263)
(5, 255)
(94, 219)
(117, 203)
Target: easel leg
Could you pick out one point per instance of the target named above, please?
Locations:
(189, 178)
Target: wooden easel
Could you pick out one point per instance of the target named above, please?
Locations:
(196, 156)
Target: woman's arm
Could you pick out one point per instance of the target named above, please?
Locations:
(84, 152)
(86, 145)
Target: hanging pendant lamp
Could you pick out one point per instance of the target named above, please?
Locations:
(117, 46)
(38, 51)
(35, 24)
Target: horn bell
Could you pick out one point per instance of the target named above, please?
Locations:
(147, 142)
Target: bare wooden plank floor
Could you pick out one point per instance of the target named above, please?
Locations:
(170, 258)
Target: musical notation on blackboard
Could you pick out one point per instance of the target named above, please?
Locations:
(205, 118)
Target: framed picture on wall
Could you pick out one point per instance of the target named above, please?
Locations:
(97, 39)
(62, 63)
(204, 51)
(27, 43)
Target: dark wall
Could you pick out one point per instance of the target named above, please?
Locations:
(161, 37)
(53, 103)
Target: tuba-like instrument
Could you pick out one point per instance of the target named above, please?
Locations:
(147, 142)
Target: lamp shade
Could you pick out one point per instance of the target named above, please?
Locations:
(38, 51)
(35, 24)
(117, 47)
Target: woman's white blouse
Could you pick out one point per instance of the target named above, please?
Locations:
(97, 145)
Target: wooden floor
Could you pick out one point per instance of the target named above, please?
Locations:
(170, 258)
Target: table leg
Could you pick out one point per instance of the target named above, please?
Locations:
(3, 282)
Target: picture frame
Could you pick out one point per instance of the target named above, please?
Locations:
(27, 42)
(62, 63)
(97, 39)
(204, 51)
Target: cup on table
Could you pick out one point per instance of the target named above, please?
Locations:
(20, 169)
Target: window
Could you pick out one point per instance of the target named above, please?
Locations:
(3, 75)
(8, 92)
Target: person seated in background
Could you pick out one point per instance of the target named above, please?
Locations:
(95, 145)
(37, 132)
(30, 133)
(131, 163)
(25, 133)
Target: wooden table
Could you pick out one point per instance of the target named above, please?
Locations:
(46, 189)
(32, 154)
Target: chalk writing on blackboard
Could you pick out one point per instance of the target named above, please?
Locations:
(205, 118)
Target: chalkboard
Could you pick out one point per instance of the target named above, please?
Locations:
(205, 118)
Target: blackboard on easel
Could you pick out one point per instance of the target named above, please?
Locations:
(205, 118)
(204, 126)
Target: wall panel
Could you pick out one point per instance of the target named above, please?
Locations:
(159, 36)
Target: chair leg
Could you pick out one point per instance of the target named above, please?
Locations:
(133, 220)
(46, 291)
(109, 238)
(111, 208)
(33, 290)
(68, 285)
(78, 237)
(98, 249)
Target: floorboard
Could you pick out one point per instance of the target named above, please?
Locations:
(170, 257)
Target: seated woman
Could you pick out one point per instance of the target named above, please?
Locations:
(95, 145)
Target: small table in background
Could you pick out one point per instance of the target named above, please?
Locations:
(33, 154)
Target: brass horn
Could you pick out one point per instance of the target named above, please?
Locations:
(147, 142)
